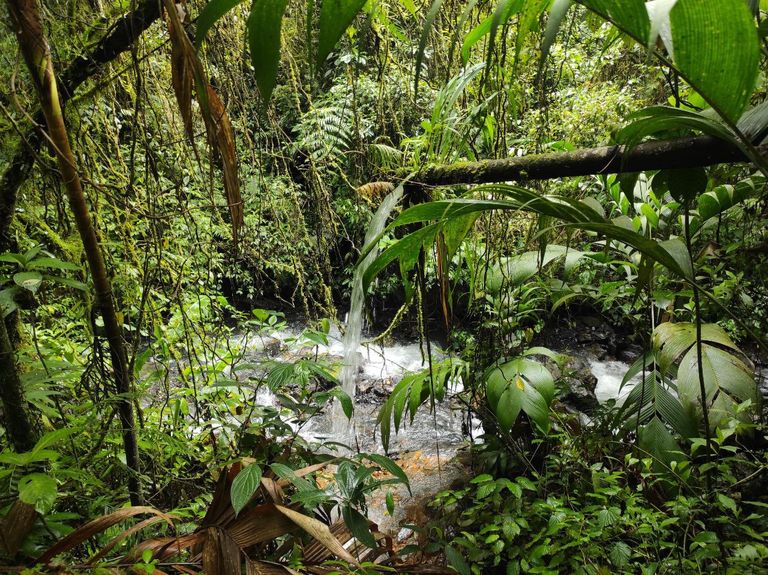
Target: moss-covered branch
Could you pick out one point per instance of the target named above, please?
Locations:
(657, 155)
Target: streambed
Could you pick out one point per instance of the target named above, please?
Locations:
(381, 367)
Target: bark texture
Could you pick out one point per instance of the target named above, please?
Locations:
(28, 27)
(681, 153)
(18, 421)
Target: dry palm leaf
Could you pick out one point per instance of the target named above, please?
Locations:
(319, 531)
(188, 72)
(124, 535)
(16, 526)
(374, 192)
(268, 568)
(221, 555)
(221, 137)
(182, 73)
(96, 526)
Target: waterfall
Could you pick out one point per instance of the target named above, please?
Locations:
(354, 324)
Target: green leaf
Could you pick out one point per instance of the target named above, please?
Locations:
(345, 401)
(728, 503)
(474, 36)
(620, 554)
(12, 258)
(723, 197)
(264, 26)
(656, 440)
(727, 382)
(717, 50)
(30, 281)
(390, 503)
(39, 490)
(212, 13)
(671, 340)
(78, 285)
(358, 526)
(509, 405)
(335, 17)
(390, 466)
(28, 457)
(51, 438)
(556, 16)
(244, 486)
(630, 16)
(457, 561)
(520, 385)
(52, 263)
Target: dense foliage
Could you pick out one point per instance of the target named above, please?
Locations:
(226, 160)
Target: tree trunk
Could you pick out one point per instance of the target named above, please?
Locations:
(19, 422)
(28, 27)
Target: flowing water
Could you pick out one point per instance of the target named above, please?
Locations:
(354, 327)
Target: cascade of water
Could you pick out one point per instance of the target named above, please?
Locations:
(354, 329)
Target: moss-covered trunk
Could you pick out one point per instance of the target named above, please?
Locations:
(28, 27)
(19, 421)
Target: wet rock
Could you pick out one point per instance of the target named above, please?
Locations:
(273, 347)
(374, 391)
(629, 353)
(578, 395)
(579, 385)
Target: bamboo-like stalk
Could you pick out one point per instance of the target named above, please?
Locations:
(27, 24)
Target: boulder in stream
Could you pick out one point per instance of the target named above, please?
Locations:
(579, 385)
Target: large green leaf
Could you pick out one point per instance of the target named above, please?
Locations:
(390, 466)
(656, 440)
(40, 490)
(52, 263)
(658, 119)
(520, 385)
(335, 17)
(727, 381)
(411, 393)
(718, 200)
(631, 16)
(407, 247)
(515, 270)
(28, 280)
(556, 16)
(358, 526)
(717, 50)
(212, 13)
(429, 21)
(654, 397)
(264, 26)
(672, 340)
(713, 43)
(578, 214)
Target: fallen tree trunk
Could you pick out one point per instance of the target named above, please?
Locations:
(689, 152)
(120, 37)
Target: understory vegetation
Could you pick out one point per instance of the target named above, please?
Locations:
(190, 194)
